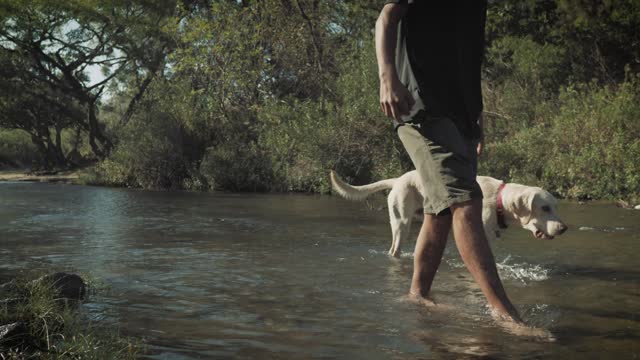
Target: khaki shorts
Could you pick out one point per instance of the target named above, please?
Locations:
(446, 161)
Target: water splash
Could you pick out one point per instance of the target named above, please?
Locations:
(607, 229)
(403, 254)
(522, 272)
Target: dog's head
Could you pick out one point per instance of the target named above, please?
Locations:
(535, 208)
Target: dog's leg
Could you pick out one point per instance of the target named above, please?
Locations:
(403, 202)
(400, 229)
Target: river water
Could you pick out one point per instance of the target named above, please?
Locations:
(216, 276)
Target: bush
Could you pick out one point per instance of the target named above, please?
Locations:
(148, 155)
(295, 135)
(237, 167)
(587, 148)
(596, 142)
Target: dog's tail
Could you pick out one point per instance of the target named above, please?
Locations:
(357, 193)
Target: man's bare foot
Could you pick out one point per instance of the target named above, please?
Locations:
(425, 301)
(519, 328)
(420, 300)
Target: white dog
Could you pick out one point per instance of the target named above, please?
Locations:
(504, 204)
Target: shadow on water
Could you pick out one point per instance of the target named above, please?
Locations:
(599, 273)
(607, 314)
(573, 334)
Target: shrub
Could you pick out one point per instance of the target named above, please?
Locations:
(236, 167)
(596, 141)
(149, 155)
(587, 147)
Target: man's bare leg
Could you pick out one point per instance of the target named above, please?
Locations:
(427, 256)
(474, 248)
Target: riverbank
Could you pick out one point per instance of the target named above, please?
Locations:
(70, 176)
(75, 177)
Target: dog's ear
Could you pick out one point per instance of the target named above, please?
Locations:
(522, 206)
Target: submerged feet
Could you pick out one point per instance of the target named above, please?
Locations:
(507, 323)
(519, 328)
(426, 302)
(419, 300)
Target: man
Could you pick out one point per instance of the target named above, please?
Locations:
(443, 43)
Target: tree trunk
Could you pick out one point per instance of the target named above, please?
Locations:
(54, 155)
(62, 160)
(102, 149)
(39, 143)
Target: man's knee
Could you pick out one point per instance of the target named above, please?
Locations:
(469, 206)
(437, 224)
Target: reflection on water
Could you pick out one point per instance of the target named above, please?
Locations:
(277, 276)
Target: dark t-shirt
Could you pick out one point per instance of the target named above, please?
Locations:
(445, 45)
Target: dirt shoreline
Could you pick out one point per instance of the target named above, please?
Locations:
(70, 177)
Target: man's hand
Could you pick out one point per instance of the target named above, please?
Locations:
(481, 140)
(395, 99)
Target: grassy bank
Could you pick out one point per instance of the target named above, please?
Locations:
(51, 328)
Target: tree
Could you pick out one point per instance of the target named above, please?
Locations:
(64, 39)
(28, 104)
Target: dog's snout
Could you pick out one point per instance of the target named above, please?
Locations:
(563, 228)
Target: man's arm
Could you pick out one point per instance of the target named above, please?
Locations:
(395, 99)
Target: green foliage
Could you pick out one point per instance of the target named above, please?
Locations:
(264, 103)
(296, 134)
(599, 38)
(46, 51)
(532, 66)
(596, 136)
(31, 106)
(149, 155)
(306, 139)
(17, 150)
(237, 167)
(587, 148)
(559, 110)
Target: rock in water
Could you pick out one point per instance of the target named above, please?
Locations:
(68, 286)
(11, 331)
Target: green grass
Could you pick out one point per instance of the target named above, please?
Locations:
(56, 329)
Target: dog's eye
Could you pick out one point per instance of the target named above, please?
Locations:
(546, 208)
